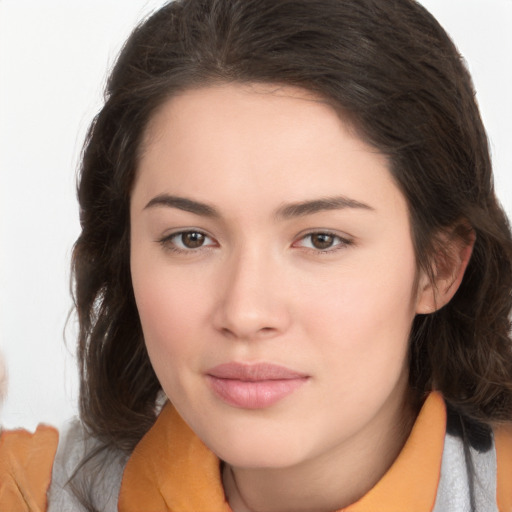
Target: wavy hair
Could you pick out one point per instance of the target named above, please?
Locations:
(389, 68)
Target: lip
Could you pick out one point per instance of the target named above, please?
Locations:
(253, 386)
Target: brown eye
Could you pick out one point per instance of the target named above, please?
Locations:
(322, 241)
(187, 241)
(192, 239)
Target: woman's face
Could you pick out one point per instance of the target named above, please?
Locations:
(274, 274)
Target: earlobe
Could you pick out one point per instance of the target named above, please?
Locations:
(450, 261)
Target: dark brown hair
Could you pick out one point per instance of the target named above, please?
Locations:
(389, 68)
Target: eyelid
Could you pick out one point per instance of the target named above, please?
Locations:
(167, 241)
(344, 240)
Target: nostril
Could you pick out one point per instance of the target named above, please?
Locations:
(227, 332)
(262, 332)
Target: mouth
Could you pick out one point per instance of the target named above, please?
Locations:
(253, 386)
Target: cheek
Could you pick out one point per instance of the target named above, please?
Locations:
(360, 331)
(365, 314)
(170, 311)
(170, 315)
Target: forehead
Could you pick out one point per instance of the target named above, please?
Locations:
(237, 141)
(222, 101)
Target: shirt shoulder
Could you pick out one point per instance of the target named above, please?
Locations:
(26, 461)
(476, 471)
(85, 471)
(503, 441)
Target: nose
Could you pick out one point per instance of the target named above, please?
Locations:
(252, 302)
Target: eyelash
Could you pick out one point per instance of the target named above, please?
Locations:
(342, 242)
(168, 244)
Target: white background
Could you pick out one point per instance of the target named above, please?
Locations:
(54, 56)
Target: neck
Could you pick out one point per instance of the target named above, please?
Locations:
(328, 482)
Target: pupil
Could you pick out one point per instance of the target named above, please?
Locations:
(322, 241)
(193, 240)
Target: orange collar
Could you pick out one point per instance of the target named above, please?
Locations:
(171, 470)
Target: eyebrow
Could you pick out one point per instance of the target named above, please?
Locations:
(182, 203)
(287, 211)
(319, 205)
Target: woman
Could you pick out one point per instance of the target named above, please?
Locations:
(289, 233)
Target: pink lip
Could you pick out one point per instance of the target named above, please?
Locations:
(253, 386)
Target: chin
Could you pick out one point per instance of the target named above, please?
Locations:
(259, 448)
(261, 458)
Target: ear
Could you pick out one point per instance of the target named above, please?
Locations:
(454, 247)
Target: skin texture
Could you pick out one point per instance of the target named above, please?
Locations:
(257, 289)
